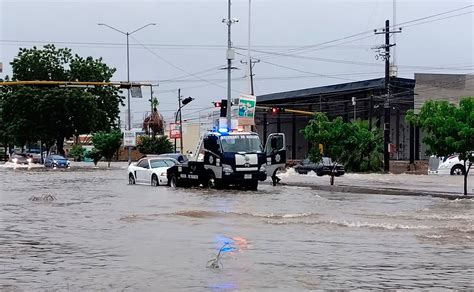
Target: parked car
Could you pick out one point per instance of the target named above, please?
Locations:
(56, 161)
(176, 156)
(321, 168)
(150, 170)
(20, 158)
(447, 165)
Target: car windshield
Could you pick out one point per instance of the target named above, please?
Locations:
(57, 157)
(326, 160)
(241, 143)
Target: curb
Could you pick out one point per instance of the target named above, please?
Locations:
(380, 191)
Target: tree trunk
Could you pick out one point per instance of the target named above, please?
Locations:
(108, 162)
(466, 173)
(60, 145)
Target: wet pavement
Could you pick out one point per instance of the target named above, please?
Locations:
(101, 234)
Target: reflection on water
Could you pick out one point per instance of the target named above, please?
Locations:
(102, 234)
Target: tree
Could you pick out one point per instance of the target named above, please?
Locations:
(107, 143)
(154, 145)
(449, 129)
(52, 114)
(351, 144)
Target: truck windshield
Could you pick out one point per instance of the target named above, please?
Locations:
(241, 143)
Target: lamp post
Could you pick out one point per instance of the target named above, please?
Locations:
(127, 34)
(181, 104)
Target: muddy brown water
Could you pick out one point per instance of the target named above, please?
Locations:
(102, 234)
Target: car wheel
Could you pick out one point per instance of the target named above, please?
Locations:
(131, 179)
(302, 172)
(319, 173)
(173, 181)
(457, 170)
(154, 181)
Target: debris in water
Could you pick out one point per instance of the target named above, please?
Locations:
(216, 263)
(44, 197)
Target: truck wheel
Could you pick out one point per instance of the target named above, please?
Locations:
(253, 185)
(457, 170)
(173, 181)
(212, 182)
(154, 181)
(131, 179)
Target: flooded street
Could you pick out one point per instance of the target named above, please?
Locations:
(102, 234)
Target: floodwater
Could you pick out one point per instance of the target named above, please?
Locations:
(102, 234)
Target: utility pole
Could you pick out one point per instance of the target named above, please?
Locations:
(230, 56)
(354, 103)
(386, 56)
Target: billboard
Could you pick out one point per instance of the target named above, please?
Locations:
(246, 109)
(175, 131)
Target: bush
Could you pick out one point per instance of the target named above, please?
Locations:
(77, 152)
(155, 145)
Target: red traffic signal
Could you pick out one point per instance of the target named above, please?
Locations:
(217, 104)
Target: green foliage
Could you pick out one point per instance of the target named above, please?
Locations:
(351, 144)
(46, 113)
(155, 145)
(77, 152)
(95, 155)
(107, 143)
(449, 129)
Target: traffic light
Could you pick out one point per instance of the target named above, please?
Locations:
(223, 108)
(187, 100)
(277, 110)
(217, 103)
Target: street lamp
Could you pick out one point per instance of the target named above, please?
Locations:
(181, 104)
(128, 76)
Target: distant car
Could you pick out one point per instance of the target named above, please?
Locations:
(56, 161)
(176, 156)
(36, 155)
(321, 168)
(449, 165)
(20, 158)
(150, 170)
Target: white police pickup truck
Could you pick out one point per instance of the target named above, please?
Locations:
(232, 158)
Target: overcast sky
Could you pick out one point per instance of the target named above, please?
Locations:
(188, 44)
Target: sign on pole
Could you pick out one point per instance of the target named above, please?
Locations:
(175, 131)
(136, 91)
(129, 139)
(246, 109)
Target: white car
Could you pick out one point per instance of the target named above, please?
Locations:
(451, 166)
(150, 170)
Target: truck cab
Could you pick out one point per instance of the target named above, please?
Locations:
(235, 158)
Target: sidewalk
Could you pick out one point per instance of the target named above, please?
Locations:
(390, 184)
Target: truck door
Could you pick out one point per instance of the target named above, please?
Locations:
(275, 148)
(212, 155)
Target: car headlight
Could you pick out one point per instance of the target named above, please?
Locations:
(227, 168)
(29, 160)
(15, 160)
(55, 161)
(263, 168)
(163, 174)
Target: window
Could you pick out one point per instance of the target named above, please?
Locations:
(143, 163)
(158, 163)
